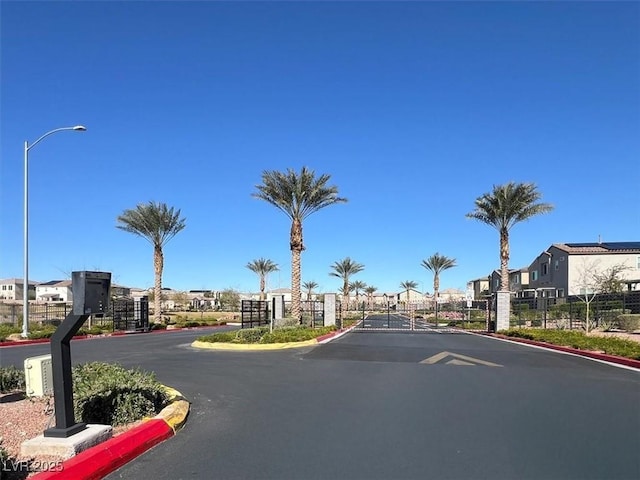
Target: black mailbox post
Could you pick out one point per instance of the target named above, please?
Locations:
(91, 291)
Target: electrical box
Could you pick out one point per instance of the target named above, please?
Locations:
(91, 292)
(38, 376)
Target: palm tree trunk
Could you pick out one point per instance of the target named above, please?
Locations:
(504, 260)
(262, 285)
(436, 292)
(345, 294)
(297, 246)
(158, 266)
(295, 283)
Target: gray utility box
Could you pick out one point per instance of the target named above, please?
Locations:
(91, 292)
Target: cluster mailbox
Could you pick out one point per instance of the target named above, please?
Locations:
(91, 292)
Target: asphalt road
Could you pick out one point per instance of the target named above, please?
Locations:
(383, 406)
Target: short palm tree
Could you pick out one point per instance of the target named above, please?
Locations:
(309, 286)
(436, 264)
(356, 287)
(298, 195)
(158, 223)
(502, 208)
(344, 269)
(262, 267)
(408, 285)
(370, 290)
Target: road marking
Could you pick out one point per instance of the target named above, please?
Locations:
(457, 360)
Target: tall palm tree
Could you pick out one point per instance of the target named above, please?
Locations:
(298, 195)
(408, 285)
(502, 208)
(158, 223)
(344, 269)
(356, 287)
(262, 267)
(309, 286)
(436, 264)
(370, 290)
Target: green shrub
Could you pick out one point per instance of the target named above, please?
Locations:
(7, 329)
(110, 394)
(629, 322)
(11, 379)
(262, 335)
(579, 340)
(190, 324)
(157, 326)
(45, 332)
(299, 334)
(220, 337)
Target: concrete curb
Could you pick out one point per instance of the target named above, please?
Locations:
(248, 347)
(99, 461)
(603, 357)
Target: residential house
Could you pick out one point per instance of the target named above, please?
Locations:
(410, 297)
(451, 295)
(565, 269)
(11, 289)
(480, 287)
(54, 291)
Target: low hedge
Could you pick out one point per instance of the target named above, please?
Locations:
(579, 340)
(11, 379)
(262, 335)
(629, 322)
(113, 395)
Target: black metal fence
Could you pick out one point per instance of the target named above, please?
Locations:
(571, 312)
(123, 314)
(254, 313)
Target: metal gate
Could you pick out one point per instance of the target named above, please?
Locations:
(394, 318)
(254, 313)
(130, 315)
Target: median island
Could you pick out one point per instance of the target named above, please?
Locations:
(261, 338)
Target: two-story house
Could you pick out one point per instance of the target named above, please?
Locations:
(563, 268)
(11, 289)
(54, 291)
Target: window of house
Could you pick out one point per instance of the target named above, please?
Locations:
(545, 269)
(534, 275)
(4, 287)
(516, 278)
(556, 265)
(561, 292)
(638, 263)
(10, 287)
(496, 283)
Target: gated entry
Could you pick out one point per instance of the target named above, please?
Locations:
(395, 321)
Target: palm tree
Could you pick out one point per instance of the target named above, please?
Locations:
(504, 207)
(344, 269)
(158, 223)
(437, 263)
(408, 285)
(370, 290)
(309, 286)
(262, 267)
(298, 195)
(356, 287)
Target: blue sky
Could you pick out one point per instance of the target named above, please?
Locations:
(415, 109)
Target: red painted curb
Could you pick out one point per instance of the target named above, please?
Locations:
(629, 362)
(99, 461)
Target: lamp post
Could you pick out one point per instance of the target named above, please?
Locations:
(25, 283)
(386, 299)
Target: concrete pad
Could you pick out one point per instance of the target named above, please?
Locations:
(66, 447)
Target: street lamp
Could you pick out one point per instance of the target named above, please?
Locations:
(25, 284)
